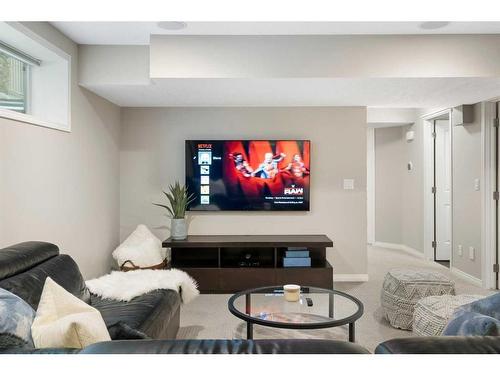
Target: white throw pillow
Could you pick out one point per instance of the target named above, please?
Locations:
(63, 320)
(142, 247)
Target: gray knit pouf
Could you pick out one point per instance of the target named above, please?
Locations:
(404, 287)
(433, 313)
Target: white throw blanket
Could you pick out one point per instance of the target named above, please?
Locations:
(124, 286)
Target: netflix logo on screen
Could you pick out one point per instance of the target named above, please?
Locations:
(205, 146)
(244, 175)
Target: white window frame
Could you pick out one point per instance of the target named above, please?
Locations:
(33, 119)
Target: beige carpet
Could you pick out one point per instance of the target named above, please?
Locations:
(208, 316)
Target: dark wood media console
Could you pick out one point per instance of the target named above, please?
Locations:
(227, 264)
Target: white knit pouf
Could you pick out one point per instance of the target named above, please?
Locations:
(433, 313)
(404, 287)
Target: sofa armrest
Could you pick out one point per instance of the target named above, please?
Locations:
(40, 351)
(441, 345)
(224, 347)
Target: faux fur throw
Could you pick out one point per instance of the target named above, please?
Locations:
(124, 286)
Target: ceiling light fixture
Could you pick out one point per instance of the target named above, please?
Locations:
(433, 25)
(172, 25)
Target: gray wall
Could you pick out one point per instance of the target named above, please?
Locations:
(152, 156)
(389, 169)
(398, 191)
(63, 187)
(466, 201)
(412, 217)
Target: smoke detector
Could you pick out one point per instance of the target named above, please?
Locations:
(433, 25)
(172, 25)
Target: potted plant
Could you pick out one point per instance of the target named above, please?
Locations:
(178, 199)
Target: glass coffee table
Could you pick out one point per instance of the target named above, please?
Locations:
(316, 308)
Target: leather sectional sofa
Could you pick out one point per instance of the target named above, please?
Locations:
(155, 316)
(25, 266)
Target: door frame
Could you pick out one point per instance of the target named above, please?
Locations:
(488, 178)
(488, 185)
(429, 215)
(370, 184)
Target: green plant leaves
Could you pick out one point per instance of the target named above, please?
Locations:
(178, 198)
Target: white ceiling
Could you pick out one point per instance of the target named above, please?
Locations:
(377, 92)
(135, 33)
(381, 92)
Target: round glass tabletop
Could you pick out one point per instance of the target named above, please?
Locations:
(316, 308)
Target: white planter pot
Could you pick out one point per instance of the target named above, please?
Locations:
(178, 229)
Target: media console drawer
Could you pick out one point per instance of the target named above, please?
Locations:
(236, 279)
(207, 278)
(319, 277)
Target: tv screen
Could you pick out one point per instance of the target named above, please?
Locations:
(249, 175)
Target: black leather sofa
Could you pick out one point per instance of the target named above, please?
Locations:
(25, 266)
(207, 347)
(441, 345)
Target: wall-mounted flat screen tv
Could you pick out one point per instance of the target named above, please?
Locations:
(248, 175)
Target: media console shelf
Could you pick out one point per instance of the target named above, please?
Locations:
(231, 263)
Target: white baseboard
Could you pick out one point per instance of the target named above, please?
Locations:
(397, 246)
(351, 277)
(388, 245)
(465, 276)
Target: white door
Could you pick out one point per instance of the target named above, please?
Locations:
(443, 190)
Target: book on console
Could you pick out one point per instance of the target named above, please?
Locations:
(296, 262)
(297, 253)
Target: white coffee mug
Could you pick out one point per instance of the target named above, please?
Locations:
(292, 292)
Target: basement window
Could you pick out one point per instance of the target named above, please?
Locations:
(34, 79)
(14, 75)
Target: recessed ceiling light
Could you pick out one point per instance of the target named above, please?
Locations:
(172, 25)
(433, 25)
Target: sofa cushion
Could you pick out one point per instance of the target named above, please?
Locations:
(62, 269)
(440, 345)
(121, 331)
(23, 256)
(226, 347)
(40, 351)
(149, 313)
(63, 320)
(16, 317)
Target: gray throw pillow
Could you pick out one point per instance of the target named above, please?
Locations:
(489, 306)
(467, 323)
(16, 317)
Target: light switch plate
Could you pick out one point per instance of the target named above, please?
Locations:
(477, 184)
(348, 184)
(460, 250)
(472, 252)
